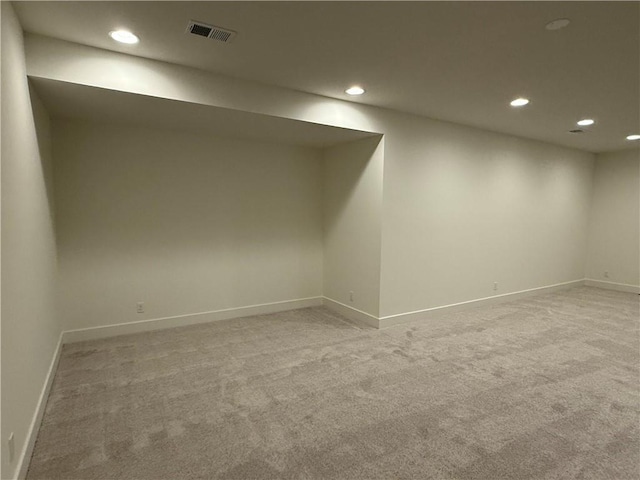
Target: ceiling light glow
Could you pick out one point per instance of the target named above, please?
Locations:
(557, 24)
(123, 36)
(355, 90)
(586, 122)
(633, 137)
(519, 102)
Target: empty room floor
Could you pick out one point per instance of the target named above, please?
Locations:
(543, 387)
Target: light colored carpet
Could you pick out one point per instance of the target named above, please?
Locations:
(546, 387)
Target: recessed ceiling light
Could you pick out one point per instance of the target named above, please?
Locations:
(586, 122)
(557, 24)
(355, 90)
(123, 36)
(633, 137)
(519, 102)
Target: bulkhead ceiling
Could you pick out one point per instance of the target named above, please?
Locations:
(457, 61)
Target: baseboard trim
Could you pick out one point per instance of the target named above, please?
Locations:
(620, 287)
(353, 314)
(104, 331)
(428, 313)
(34, 428)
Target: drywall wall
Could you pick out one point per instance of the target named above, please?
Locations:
(614, 232)
(464, 208)
(59, 60)
(186, 223)
(30, 329)
(352, 223)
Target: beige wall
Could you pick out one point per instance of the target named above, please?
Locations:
(30, 330)
(352, 223)
(433, 215)
(182, 222)
(614, 231)
(464, 208)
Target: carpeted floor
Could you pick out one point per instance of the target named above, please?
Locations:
(546, 387)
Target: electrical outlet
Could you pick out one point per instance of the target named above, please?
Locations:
(12, 447)
(351, 296)
(140, 307)
(495, 286)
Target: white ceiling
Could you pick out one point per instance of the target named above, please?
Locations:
(82, 102)
(456, 61)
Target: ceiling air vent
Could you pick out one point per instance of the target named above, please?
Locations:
(211, 31)
(577, 130)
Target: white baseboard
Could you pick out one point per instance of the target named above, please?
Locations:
(34, 428)
(430, 313)
(93, 333)
(353, 314)
(620, 287)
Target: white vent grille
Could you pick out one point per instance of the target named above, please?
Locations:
(211, 31)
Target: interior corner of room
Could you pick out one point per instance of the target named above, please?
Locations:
(139, 194)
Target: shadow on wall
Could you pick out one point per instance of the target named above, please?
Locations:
(352, 191)
(345, 176)
(43, 136)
